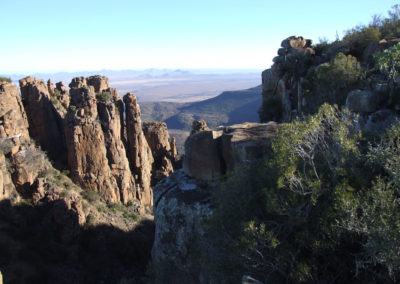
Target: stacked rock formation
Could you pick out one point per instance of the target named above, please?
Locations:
(164, 151)
(85, 131)
(282, 80)
(210, 154)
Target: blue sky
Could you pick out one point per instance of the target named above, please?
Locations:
(43, 36)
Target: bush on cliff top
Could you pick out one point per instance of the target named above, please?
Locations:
(5, 79)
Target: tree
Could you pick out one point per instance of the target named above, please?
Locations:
(388, 61)
(336, 76)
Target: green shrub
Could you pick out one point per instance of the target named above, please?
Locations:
(333, 79)
(5, 79)
(91, 195)
(104, 97)
(323, 207)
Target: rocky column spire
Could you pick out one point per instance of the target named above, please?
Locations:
(157, 137)
(139, 152)
(87, 155)
(109, 114)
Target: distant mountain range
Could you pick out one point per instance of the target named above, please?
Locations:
(229, 107)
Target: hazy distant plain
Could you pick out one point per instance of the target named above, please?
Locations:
(165, 84)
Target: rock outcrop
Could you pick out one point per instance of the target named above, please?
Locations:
(7, 188)
(87, 156)
(62, 94)
(157, 137)
(198, 126)
(182, 202)
(283, 81)
(109, 116)
(45, 124)
(13, 135)
(210, 154)
(13, 119)
(139, 152)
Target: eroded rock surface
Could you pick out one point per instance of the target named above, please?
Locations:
(181, 204)
(87, 155)
(45, 124)
(139, 152)
(210, 154)
(13, 119)
(157, 137)
(116, 153)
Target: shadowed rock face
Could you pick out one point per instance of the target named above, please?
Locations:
(87, 156)
(211, 153)
(139, 152)
(157, 137)
(45, 124)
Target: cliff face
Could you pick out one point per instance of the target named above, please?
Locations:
(85, 130)
(163, 151)
(45, 123)
(109, 116)
(87, 156)
(139, 152)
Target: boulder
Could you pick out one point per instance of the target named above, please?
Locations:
(198, 125)
(364, 101)
(181, 205)
(50, 87)
(63, 94)
(203, 158)
(380, 120)
(296, 42)
(139, 152)
(211, 153)
(157, 137)
(100, 83)
(45, 123)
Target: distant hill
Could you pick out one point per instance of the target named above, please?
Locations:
(227, 108)
(230, 107)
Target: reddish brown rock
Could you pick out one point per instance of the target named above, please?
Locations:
(13, 120)
(7, 188)
(210, 154)
(100, 83)
(87, 155)
(62, 94)
(139, 152)
(50, 87)
(157, 137)
(109, 115)
(45, 124)
(174, 150)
